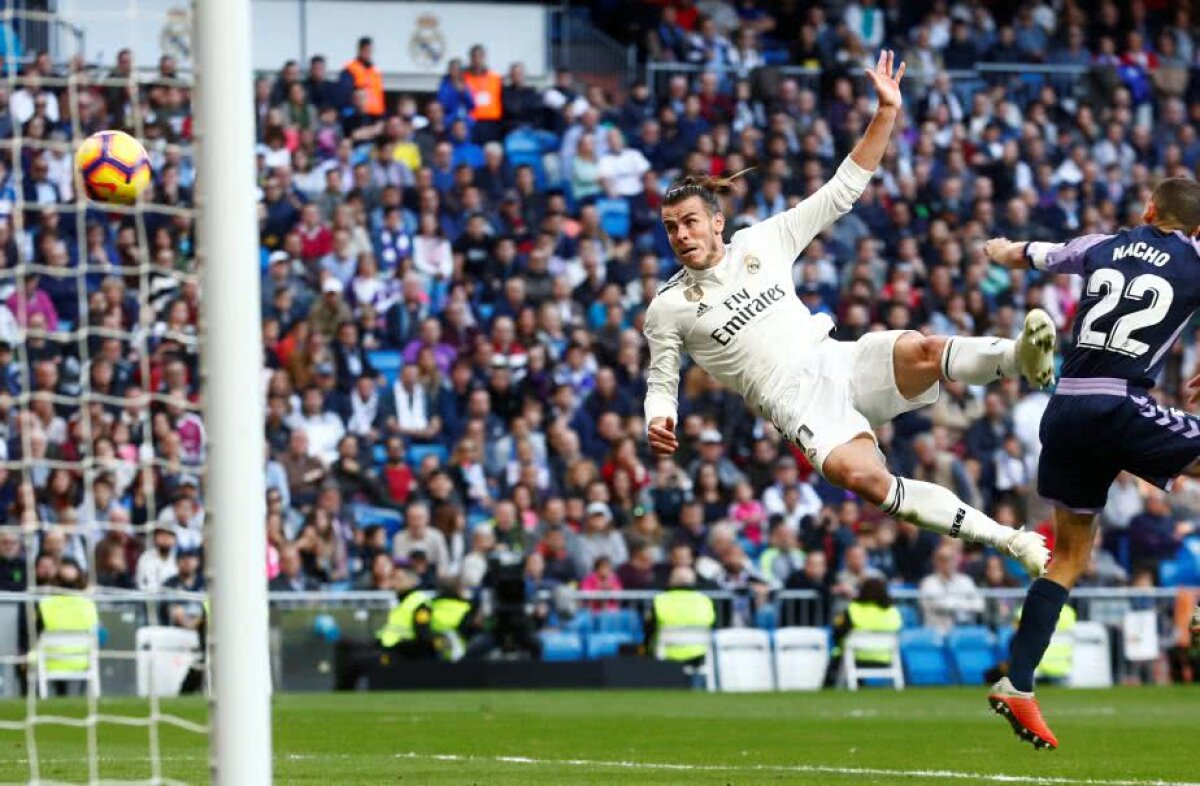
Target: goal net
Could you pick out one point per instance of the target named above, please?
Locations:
(121, 394)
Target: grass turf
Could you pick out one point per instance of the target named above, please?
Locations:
(1109, 737)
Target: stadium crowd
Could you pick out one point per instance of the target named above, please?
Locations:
(453, 287)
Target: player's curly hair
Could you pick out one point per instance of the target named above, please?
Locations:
(707, 187)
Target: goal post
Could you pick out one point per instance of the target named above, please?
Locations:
(239, 717)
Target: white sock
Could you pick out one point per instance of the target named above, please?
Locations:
(939, 510)
(978, 360)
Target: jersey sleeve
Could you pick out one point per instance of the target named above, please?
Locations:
(1062, 257)
(793, 229)
(662, 378)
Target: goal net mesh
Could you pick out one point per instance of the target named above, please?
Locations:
(104, 449)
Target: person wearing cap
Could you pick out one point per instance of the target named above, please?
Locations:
(712, 451)
(157, 564)
(598, 539)
(179, 612)
(681, 607)
(330, 310)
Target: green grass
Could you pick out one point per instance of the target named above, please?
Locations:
(1108, 737)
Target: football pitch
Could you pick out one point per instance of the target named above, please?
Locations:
(1119, 737)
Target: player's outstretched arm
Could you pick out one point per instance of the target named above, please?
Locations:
(793, 229)
(1051, 257)
(662, 380)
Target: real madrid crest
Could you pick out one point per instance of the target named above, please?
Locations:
(693, 293)
(175, 38)
(427, 46)
(752, 263)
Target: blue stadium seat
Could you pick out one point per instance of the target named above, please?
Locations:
(558, 646)
(924, 657)
(417, 453)
(614, 217)
(767, 618)
(972, 650)
(580, 623)
(624, 621)
(369, 516)
(1004, 637)
(1170, 573)
(387, 362)
(909, 616)
(379, 454)
(605, 645)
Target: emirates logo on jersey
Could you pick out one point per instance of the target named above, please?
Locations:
(745, 308)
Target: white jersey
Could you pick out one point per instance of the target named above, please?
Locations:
(741, 320)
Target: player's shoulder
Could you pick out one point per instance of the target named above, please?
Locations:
(674, 282)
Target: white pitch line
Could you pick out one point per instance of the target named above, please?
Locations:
(1046, 780)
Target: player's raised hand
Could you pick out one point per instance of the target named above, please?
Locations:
(661, 435)
(887, 81)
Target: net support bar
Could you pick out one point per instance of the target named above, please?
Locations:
(228, 243)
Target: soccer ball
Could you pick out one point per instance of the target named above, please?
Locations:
(113, 166)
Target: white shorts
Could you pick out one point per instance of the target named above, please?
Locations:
(849, 389)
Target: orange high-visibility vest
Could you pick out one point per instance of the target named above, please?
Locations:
(485, 88)
(369, 79)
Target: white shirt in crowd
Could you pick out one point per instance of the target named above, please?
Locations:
(946, 602)
(153, 570)
(624, 171)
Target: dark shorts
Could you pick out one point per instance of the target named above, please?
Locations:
(1089, 437)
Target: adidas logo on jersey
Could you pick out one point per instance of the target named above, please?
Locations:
(702, 309)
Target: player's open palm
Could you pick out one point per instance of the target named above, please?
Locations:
(887, 81)
(661, 436)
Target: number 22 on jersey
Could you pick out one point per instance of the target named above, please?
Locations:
(1153, 291)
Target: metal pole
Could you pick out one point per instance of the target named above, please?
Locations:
(228, 241)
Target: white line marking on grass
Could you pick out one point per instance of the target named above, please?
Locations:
(1046, 780)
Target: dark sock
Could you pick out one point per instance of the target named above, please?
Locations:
(1039, 617)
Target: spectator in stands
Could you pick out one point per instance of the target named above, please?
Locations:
(157, 564)
(948, 598)
(598, 538)
(361, 73)
(188, 614)
(486, 89)
(1155, 534)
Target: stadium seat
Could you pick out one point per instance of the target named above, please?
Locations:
(852, 673)
(909, 616)
(1004, 637)
(689, 637)
(972, 650)
(417, 453)
(387, 362)
(801, 658)
(164, 657)
(624, 621)
(614, 217)
(767, 618)
(581, 623)
(379, 454)
(924, 657)
(743, 660)
(1091, 666)
(369, 515)
(605, 645)
(560, 646)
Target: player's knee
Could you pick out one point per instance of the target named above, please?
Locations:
(869, 483)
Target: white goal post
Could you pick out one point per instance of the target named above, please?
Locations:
(240, 716)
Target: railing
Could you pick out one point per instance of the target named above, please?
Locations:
(578, 46)
(304, 629)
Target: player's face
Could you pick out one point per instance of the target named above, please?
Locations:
(694, 233)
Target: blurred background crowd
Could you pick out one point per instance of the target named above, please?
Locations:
(453, 287)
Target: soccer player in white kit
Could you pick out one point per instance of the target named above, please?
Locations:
(733, 308)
